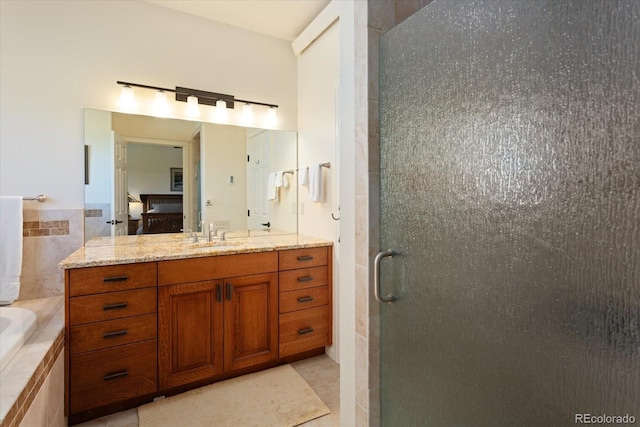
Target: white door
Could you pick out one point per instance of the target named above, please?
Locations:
(119, 202)
(258, 168)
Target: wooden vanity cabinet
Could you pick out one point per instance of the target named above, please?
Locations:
(111, 320)
(135, 331)
(305, 296)
(190, 332)
(221, 321)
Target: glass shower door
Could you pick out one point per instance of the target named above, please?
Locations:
(510, 195)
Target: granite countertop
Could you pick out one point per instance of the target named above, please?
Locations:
(158, 247)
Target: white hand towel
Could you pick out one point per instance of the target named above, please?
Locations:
(285, 180)
(315, 183)
(279, 179)
(10, 248)
(272, 193)
(303, 176)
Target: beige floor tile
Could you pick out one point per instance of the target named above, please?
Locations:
(322, 374)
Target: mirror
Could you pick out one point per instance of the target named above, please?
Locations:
(147, 175)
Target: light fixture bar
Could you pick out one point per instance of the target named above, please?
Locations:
(144, 86)
(204, 97)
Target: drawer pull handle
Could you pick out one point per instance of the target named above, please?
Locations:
(116, 375)
(218, 293)
(305, 331)
(229, 291)
(305, 299)
(305, 279)
(115, 306)
(115, 279)
(305, 258)
(115, 334)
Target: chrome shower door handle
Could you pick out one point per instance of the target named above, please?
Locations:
(376, 277)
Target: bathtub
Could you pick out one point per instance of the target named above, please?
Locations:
(16, 326)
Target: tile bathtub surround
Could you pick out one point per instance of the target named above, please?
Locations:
(45, 228)
(53, 235)
(24, 376)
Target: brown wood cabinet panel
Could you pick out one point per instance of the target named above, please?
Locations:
(102, 377)
(96, 336)
(303, 299)
(190, 332)
(303, 278)
(251, 320)
(112, 305)
(303, 258)
(304, 330)
(218, 267)
(95, 280)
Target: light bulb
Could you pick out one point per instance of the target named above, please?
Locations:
(221, 110)
(161, 105)
(193, 109)
(272, 118)
(126, 98)
(247, 113)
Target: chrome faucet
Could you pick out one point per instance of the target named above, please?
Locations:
(223, 235)
(212, 233)
(190, 234)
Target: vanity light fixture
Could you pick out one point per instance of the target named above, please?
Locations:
(221, 110)
(247, 113)
(126, 97)
(161, 105)
(272, 118)
(193, 109)
(193, 97)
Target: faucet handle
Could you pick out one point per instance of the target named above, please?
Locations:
(223, 235)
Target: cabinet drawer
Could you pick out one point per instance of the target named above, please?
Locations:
(102, 377)
(209, 268)
(304, 278)
(96, 336)
(96, 280)
(303, 299)
(113, 305)
(304, 330)
(303, 258)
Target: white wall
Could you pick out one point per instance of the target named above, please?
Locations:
(318, 80)
(59, 57)
(148, 168)
(98, 137)
(224, 152)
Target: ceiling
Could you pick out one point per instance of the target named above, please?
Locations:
(284, 19)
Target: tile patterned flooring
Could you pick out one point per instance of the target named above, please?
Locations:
(322, 374)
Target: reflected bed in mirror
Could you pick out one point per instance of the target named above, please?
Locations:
(224, 173)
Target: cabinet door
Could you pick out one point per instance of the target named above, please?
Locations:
(190, 320)
(251, 320)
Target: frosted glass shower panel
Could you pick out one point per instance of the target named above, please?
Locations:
(510, 168)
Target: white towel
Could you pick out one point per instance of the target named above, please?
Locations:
(279, 179)
(272, 193)
(10, 248)
(285, 180)
(303, 176)
(315, 183)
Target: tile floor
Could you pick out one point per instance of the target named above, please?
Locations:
(322, 374)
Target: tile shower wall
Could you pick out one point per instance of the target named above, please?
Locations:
(49, 236)
(382, 15)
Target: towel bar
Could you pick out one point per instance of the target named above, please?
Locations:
(40, 198)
